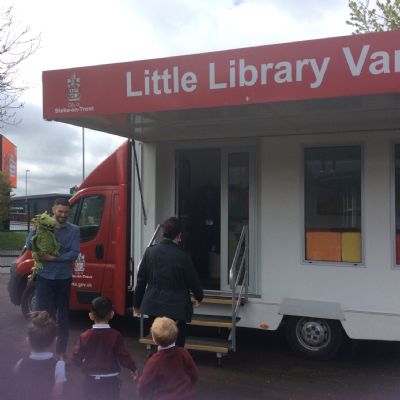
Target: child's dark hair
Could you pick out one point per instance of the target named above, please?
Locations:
(171, 228)
(42, 330)
(101, 307)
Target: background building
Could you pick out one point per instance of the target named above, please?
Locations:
(23, 208)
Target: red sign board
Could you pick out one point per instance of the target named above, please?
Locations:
(8, 160)
(342, 66)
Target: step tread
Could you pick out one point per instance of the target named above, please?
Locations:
(194, 343)
(216, 300)
(225, 300)
(213, 320)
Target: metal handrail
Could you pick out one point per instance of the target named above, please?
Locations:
(131, 271)
(153, 238)
(235, 275)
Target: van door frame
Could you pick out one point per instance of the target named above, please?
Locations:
(234, 146)
(253, 228)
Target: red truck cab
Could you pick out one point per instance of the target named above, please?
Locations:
(100, 209)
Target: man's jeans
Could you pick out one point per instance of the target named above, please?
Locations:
(53, 296)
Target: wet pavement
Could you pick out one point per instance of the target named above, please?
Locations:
(262, 368)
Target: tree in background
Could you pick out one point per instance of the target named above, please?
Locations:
(16, 45)
(5, 193)
(385, 17)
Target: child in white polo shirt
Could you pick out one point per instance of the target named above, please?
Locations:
(101, 352)
(39, 376)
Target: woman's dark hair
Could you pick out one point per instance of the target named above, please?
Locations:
(101, 307)
(42, 330)
(171, 228)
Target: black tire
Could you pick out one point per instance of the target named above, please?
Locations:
(28, 299)
(16, 286)
(314, 338)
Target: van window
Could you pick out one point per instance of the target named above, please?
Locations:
(332, 200)
(88, 218)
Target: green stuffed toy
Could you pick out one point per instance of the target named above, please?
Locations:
(43, 241)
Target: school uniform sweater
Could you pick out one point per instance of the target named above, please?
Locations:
(101, 351)
(170, 374)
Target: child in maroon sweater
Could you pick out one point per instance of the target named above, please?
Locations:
(170, 374)
(100, 351)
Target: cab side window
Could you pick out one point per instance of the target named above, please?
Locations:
(72, 212)
(88, 216)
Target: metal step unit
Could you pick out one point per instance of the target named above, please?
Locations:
(219, 345)
(238, 278)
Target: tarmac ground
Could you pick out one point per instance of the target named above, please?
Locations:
(262, 368)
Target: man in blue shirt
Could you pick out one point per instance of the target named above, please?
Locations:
(53, 281)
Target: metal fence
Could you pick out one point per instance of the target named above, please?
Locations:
(8, 257)
(12, 234)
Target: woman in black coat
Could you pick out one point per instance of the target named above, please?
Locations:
(165, 279)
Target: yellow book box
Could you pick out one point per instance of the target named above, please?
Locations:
(351, 247)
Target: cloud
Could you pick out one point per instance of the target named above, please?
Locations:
(78, 33)
(185, 27)
(52, 152)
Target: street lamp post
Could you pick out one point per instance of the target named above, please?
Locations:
(26, 197)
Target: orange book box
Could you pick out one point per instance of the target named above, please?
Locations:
(323, 246)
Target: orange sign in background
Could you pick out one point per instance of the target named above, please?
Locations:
(8, 160)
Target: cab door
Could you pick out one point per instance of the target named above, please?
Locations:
(91, 212)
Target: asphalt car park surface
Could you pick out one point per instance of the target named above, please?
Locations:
(262, 368)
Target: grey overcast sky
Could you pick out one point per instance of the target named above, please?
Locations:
(89, 32)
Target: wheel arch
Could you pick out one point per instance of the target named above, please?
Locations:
(311, 308)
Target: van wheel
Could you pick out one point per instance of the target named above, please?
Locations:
(28, 299)
(314, 338)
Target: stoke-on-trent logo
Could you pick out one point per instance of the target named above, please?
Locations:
(74, 85)
(74, 97)
(79, 266)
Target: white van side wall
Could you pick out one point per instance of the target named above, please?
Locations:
(365, 297)
(367, 294)
(165, 181)
(150, 192)
(157, 171)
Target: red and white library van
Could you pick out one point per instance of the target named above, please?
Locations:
(283, 162)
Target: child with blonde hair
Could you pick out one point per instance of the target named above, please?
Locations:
(170, 374)
(39, 376)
